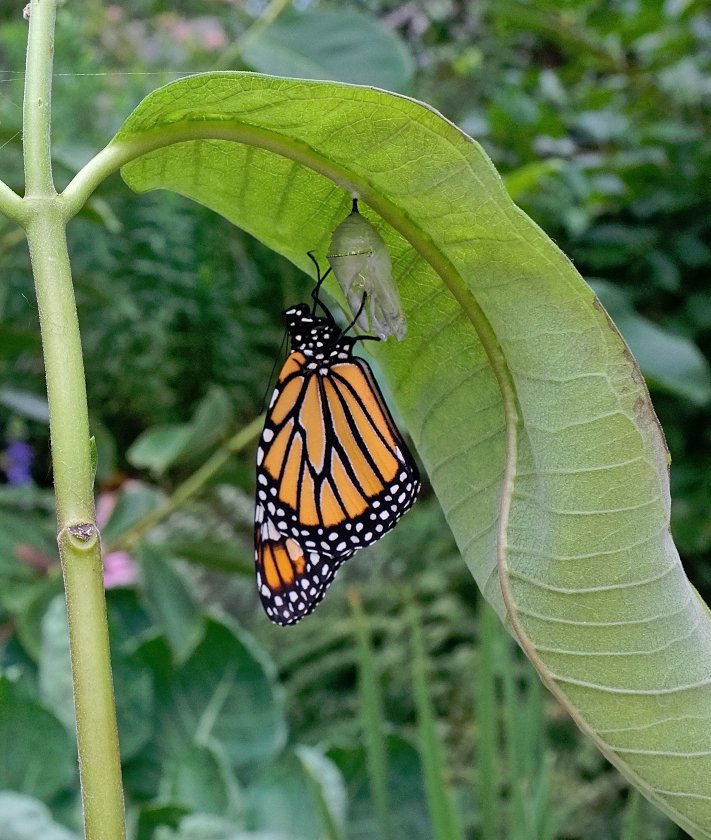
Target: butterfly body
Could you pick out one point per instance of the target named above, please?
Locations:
(333, 472)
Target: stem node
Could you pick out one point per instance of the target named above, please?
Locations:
(82, 535)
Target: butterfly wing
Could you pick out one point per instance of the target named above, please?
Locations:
(332, 468)
(375, 458)
(333, 476)
(290, 580)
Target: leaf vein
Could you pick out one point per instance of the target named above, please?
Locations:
(563, 590)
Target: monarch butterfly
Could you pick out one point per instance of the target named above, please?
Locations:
(333, 472)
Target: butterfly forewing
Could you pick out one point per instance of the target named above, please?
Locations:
(333, 469)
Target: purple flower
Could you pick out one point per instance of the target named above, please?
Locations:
(18, 463)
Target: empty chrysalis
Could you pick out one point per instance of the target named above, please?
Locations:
(361, 264)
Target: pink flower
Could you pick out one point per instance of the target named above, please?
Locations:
(114, 14)
(105, 504)
(119, 569)
(211, 34)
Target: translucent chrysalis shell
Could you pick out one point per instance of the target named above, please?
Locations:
(361, 264)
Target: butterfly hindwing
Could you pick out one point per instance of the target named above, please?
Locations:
(291, 581)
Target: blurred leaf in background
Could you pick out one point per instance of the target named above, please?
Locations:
(336, 43)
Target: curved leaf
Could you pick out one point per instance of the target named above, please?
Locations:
(526, 407)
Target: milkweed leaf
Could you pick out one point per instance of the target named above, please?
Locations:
(526, 406)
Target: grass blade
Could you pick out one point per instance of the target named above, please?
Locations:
(632, 819)
(373, 722)
(543, 817)
(513, 745)
(487, 725)
(445, 819)
(528, 764)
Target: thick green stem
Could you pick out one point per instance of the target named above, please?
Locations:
(64, 367)
(79, 545)
(37, 106)
(44, 217)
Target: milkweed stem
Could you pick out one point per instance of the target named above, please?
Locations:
(43, 216)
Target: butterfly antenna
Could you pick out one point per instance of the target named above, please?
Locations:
(282, 349)
(319, 282)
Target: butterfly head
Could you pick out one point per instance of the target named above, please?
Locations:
(311, 334)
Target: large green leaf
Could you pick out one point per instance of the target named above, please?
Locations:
(330, 43)
(134, 689)
(224, 697)
(301, 796)
(25, 818)
(36, 755)
(526, 407)
(169, 602)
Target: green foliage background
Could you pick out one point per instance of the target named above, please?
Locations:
(598, 117)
